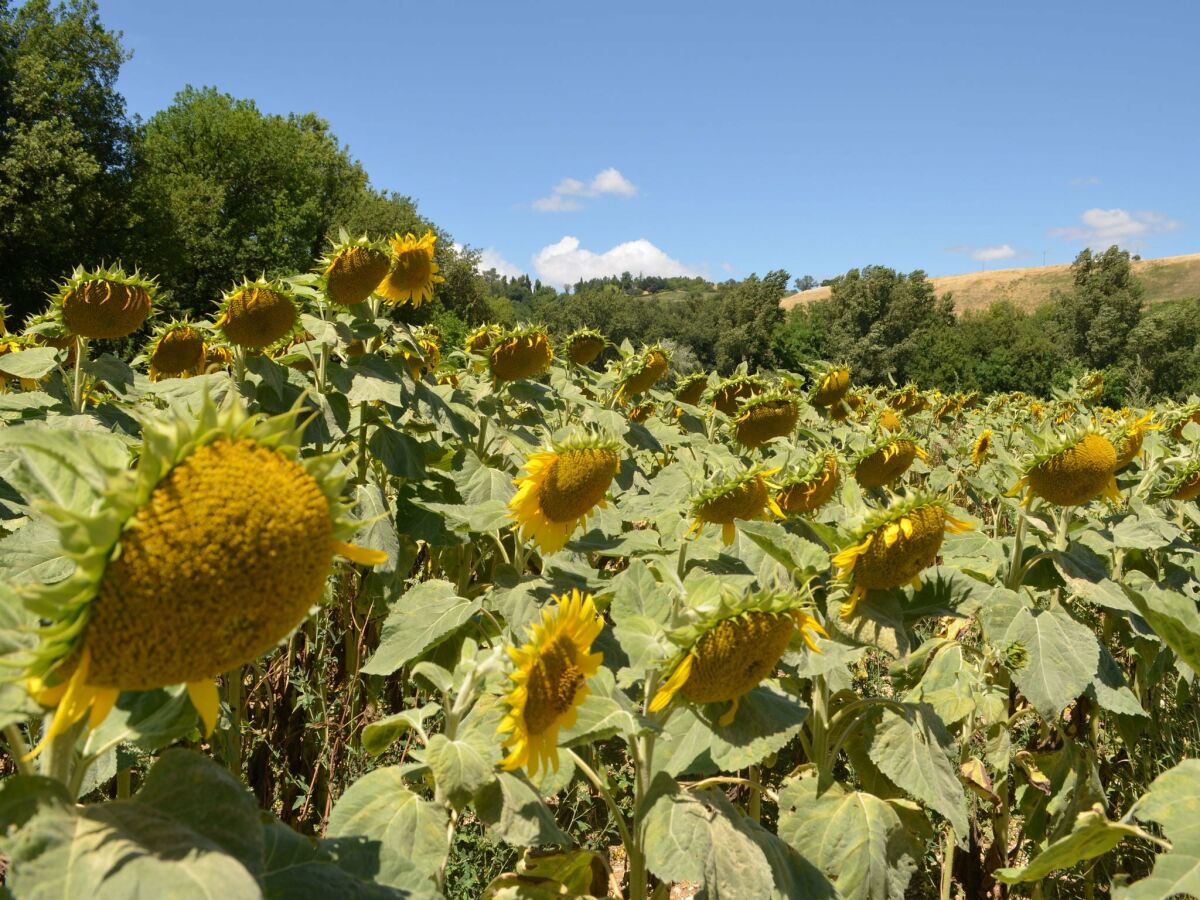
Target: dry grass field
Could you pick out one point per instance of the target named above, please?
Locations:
(1169, 278)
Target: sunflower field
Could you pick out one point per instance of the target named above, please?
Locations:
(300, 602)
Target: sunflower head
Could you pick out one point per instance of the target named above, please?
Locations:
(1181, 484)
(640, 412)
(982, 447)
(1071, 470)
(198, 561)
(727, 651)
(352, 270)
(746, 496)
(889, 421)
(176, 349)
(643, 371)
(1129, 442)
(104, 303)
(830, 386)
(561, 487)
(894, 546)
(523, 352)
(584, 345)
(1091, 386)
(425, 359)
(728, 393)
(549, 681)
(482, 338)
(811, 488)
(690, 388)
(764, 417)
(883, 463)
(1181, 418)
(257, 314)
(412, 271)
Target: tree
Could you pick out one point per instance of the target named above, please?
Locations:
(65, 146)
(1103, 307)
(807, 283)
(1166, 343)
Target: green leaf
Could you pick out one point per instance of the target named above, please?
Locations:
(299, 866)
(604, 713)
(381, 734)
(478, 483)
(1173, 802)
(401, 454)
(913, 749)
(1110, 690)
(29, 363)
(149, 719)
(1062, 657)
(69, 467)
(399, 839)
(801, 558)
(379, 532)
(460, 767)
(1093, 835)
(856, 839)
(1171, 614)
(419, 620)
(514, 812)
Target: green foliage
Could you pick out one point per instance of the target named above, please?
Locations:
(1105, 305)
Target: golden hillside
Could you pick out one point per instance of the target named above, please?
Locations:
(1169, 278)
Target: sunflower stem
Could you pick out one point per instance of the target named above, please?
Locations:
(362, 443)
(637, 865)
(124, 784)
(233, 745)
(58, 760)
(77, 385)
(1015, 572)
(754, 806)
(18, 749)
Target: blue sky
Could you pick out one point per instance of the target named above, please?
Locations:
(571, 139)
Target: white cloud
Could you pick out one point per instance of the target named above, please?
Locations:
(490, 258)
(566, 262)
(989, 254)
(1101, 228)
(606, 181)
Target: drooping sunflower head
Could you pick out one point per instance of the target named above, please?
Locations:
(257, 314)
(947, 408)
(765, 417)
(982, 447)
(884, 462)
(727, 652)
(523, 352)
(909, 400)
(198, 561)
(352, 270)
(561, 487)
(482, 338)
(810, 488)
(176, 349)
(1071, 470)
(1183, 483)
(830, 385)
(584, 345)
(105, 303)
(640, 412)
(1181, 418)
(549, 681)
(889, 421)
(894, 546)
(745, 496)
(426, 357)
(727, 393)
(1129, 442)
(412, 271)
(1091, 386)
(690, 388)
(643, 371)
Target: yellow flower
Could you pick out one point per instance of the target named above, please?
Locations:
(413, 271)
(550, 681)
(1183, 484)
(889, 421)
(1131, 441)
(727, 394)
(479, 340)
(105, 303)
(831, 387)
(765, 417)
(177, 350)
(257, 314)
(584, 346)
(689, 390)
(895, 547)
(561, 488)
(1073, 474)
(644, 372)
(641, 412)
(201, 560)
(427, 359)
(885, 463)
(726, 655)
(747, 496)
(983, 446)
(353, 271)
(521, 353)
(811, 490)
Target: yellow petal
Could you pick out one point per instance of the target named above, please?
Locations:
(728, 718)
(206, 701)
(364, 556)
(103, 701)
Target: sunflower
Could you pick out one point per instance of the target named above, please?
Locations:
(176, 349)
(257, 314)
(643, 372)
(729, 651)
(427, 358)
(747, 496)
(550, 681)
(482, 338)
(584, 345)
(413, 272)
(200, 560)
(104, 303)
(884, 463)
(690, 388)
(1072, 472)
(1182, 418)
(352, 270)
(640, 413)
(1131, 440)
(982, 447)
(895, 546)
(523, 352)
(561, 488)
(765, 417)
(1183, 484)
(831, 386)
(728, 393)
(811, 489)
(889, 421)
